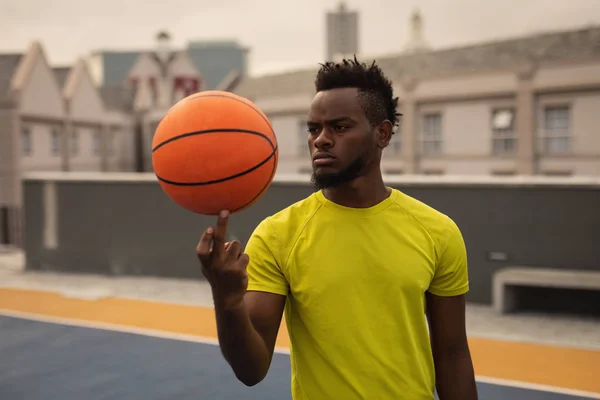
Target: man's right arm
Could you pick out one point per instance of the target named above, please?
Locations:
(248, 332)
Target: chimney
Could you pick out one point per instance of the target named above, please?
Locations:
(416, 41)
(163, 46)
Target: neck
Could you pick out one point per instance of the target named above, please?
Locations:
(363, 192)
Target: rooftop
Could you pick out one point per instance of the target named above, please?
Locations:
(576, 45)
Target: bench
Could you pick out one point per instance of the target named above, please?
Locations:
(506, 280)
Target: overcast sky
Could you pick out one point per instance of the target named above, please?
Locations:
(280, 33)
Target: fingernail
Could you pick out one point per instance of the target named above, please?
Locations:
(224, 213)
(209, 231)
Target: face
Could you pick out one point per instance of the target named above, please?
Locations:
(343, 144)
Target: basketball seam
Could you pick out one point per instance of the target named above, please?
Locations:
(220, 180)
(260, 113)
(207, 131)
(199, 95)
(261, 191)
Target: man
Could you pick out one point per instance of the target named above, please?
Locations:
(358, 267)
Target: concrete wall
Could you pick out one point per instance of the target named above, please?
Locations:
(127, 225)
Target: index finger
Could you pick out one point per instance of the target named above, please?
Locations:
(220, 233)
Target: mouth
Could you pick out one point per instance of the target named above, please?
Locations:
(320, 160)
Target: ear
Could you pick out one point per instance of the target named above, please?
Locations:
(385, 130)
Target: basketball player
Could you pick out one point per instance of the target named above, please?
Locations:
(361, 269)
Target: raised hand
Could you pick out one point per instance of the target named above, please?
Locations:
(223, 264)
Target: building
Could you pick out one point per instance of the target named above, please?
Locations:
(416, 34)
(341, 33)
(219, 61)
(110, 68)
(99, 114)
(158, 79)
(52, 120)
(520, 106)
(146, 83)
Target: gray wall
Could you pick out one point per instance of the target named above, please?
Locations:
(133, 228)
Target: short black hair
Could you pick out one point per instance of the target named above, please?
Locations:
(374, 88)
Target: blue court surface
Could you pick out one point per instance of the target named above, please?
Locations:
(41, 361)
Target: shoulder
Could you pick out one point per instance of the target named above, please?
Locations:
(437, 224)
(287, 223)
(295, 212)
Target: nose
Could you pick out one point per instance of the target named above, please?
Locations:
(323, 140)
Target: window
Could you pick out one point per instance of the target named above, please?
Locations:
(26, 141)
(74, 143)
(96, 141)
(110, 142)
(504, 140)
(55, 141)
(431, 140)
(303, 150)
(555, 135)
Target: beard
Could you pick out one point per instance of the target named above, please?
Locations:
(346, 175)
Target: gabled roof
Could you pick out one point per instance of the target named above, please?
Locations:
(575, 45)
(8, 66)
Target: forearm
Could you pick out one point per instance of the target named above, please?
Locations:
(455, 378)
(241, 345)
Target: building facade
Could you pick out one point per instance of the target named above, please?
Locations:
(516, 107)
(52, 119)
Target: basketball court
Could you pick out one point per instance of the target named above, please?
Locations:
(64, 346)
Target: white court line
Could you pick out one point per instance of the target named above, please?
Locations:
(118, 328)
(280, 350)
(535, 341)
(98, 293)
(537, 387)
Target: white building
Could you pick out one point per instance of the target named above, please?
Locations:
(520, 106)
(52, 120)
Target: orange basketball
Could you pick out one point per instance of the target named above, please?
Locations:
(214, 151)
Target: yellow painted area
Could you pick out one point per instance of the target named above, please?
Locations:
(173, 318)
(570, 368)
(565, 367)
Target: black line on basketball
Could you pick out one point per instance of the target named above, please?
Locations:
(221, 179)
(207, 131)
(275, 159)
(199, 96)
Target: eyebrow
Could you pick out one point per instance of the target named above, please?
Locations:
(331, 121)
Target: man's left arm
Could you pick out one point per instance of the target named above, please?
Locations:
(455, 377)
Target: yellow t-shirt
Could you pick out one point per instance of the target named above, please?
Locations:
(355, 281)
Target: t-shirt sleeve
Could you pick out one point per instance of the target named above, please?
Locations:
(264, 268)
(451, 276)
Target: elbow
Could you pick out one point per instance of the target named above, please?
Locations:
(250, 383)
(249, 378)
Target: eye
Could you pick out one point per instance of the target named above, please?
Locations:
(312, 129)
(340, 128)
